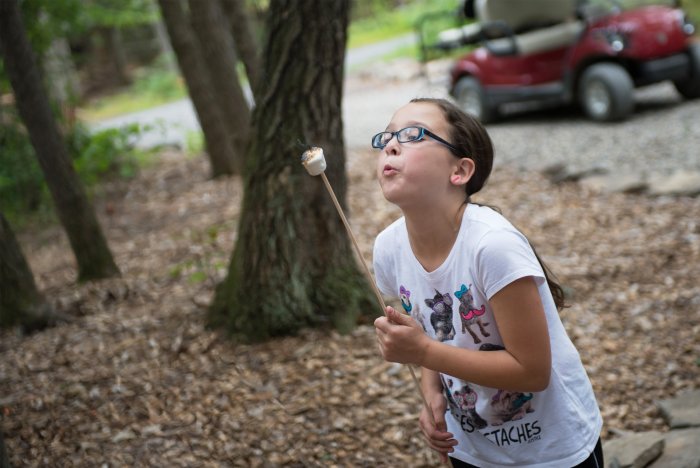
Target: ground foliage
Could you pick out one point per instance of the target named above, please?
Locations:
(135, 379)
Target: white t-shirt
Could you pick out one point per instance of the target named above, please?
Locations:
(556, 428)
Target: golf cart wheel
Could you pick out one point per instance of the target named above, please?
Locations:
(606, 92)
(471, 98)
(690, 87)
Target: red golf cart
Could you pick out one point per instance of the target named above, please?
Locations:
(567, 51)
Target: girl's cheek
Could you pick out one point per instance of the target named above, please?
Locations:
(380, 166)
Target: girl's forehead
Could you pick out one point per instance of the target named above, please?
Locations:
(414, 113)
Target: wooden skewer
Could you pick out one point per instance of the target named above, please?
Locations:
(368, 274)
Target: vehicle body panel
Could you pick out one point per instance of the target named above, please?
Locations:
(649, 42)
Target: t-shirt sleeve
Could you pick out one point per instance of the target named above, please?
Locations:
(504, 256)
(384, 266)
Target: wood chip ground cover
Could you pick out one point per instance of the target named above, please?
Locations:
(137, 380)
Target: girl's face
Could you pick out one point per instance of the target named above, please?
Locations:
(418, 172)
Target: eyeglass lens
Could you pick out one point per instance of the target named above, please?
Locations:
(404, 135)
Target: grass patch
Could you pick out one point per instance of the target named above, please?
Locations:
(152, 86)
(121, 103)
(390, 23)
(194, 142)
(692, 7)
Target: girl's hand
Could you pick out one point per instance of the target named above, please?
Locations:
(401, 339)
(436, 434)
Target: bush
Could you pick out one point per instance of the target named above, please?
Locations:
(21, 181)
(96, 156)
(159, 84)
(104, 154)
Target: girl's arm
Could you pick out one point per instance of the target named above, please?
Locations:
(523, 366)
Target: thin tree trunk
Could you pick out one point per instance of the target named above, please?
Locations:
(216, 44)
(72, 205)
(199, 86)
(62, 79)
(292, 265)
(245, 40)
(20, 300)
(164, 44)
(61, 73)
(116, 55)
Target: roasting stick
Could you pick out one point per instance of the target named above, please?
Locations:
(315, 163)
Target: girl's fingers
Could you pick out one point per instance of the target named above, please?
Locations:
(439, 440)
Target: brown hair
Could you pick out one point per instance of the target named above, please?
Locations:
(472, 140)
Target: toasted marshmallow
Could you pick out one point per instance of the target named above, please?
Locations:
(314, 161)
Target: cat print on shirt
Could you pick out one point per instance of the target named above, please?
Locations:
(469, 314)
(405, 296)
(441, 317)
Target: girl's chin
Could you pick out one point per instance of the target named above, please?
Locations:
(393, 196)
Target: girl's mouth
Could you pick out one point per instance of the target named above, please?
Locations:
(389, 170)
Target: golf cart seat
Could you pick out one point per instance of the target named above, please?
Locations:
(533, 26)
(538, 25)
(523, 16)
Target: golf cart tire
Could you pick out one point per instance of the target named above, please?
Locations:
(471, 98)
(606, 92)
(690, 87)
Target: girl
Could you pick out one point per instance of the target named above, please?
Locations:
(484, 323)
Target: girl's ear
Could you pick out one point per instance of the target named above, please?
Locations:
(463, 171)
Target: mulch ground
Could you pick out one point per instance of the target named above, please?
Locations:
(137, 380)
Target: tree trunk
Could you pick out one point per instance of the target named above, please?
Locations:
(4, 460)
(112, 38)
(61, 78)
(216, 44)
(61, 73)
(292, 265)
(199, 86)
(245, 40)
(20, 301)
(74, 210)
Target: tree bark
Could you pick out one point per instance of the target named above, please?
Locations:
(21, 303)
(292, 265)
(199, 85)
(72, 205)
(216, 44)
(112, 38)
(4, 460)
(61, 78)
(61, 72)
(245, 40)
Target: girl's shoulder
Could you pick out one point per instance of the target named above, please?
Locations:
(393, 231)
(486, 219)
(489, 231)
(390, 240)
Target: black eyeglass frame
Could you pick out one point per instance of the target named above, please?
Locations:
(421, 135)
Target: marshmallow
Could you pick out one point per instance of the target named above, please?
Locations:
(314, 161)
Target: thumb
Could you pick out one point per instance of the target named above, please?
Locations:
(397, 317)
(440, 423)
(438, 412)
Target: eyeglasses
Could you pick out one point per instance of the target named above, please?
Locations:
(405, 135)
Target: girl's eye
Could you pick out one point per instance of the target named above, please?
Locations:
(412, 134)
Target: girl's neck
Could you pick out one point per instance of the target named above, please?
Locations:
(432, 234)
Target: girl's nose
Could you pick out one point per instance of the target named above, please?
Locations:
(393, 147)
